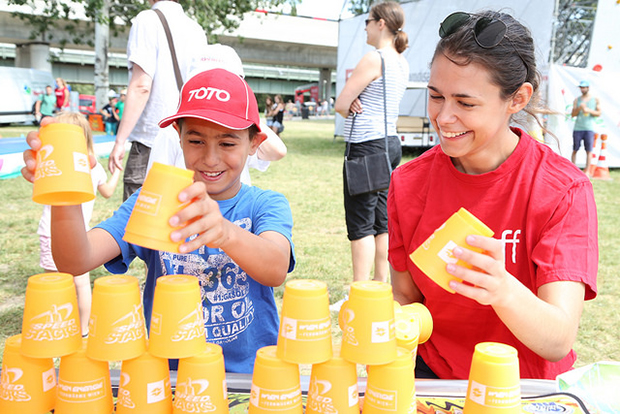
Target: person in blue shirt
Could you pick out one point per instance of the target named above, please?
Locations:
(238, 239)
(585, 108)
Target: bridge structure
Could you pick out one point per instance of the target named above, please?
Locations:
(279, 52)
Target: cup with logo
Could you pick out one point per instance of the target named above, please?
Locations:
(333, 387)
(51, 321)
(201, 383)
(305, 335)
(420, 313)
(158, 201)
(177, 327)
(435, 253)
(367, 323)
(494, 385)
(391, 387)
(27, 385)
(144, 386)
(116, 327)
(62, 175)
(275, 385)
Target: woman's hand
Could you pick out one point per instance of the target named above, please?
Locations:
(356, 106)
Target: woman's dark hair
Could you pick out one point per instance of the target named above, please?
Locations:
(394, 18)
(510, 63)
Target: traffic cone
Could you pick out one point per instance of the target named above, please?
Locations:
(593, 159)
(601, 172)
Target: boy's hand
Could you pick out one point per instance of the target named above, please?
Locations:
(201, 216)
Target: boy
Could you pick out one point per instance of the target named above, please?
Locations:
(238, 238)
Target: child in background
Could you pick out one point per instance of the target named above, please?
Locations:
(106, 189)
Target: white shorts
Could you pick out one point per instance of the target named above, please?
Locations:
(46, 261)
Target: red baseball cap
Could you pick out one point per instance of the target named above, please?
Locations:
(218, 96)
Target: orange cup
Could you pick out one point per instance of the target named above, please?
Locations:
(419, 312)
(275, 385)
(116, 327)
(177, 327)
(157, 202)
(367, 322)
(436, 252)
(27, 385)
(62, 175)
(305, 335)
(494, 383)
(407, 333)
(333, 387)
(51, 321)
(201, 383)
(144, 386)
(83, 385)
(390, 388)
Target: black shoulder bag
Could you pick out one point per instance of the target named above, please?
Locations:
(370, 173)
(175, 63)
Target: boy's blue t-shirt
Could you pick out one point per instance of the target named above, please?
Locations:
(240, 314)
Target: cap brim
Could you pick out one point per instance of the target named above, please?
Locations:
(224, 119)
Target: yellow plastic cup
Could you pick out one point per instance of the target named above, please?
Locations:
(62, 176)
(407, 333)
(177, 327)
(420, 313)
(116, 327)
(144, 386)
(305, 335)
(494, 383)
(367, 322)
(51, 321)
(333, 387)
(275, 385)
(157, 202)
(27, 385)
(201, 383)
(436, 252)
(390, 388)
(83, 385)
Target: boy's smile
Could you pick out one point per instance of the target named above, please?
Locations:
(216, 154)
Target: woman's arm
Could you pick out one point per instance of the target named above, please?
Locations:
(367, 70)
(404, 289)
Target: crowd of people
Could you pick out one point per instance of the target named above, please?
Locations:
(238, 238)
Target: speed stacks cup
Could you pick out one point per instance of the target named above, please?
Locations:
(367, 322)
(157, 201)
(177, 328)
(116, 327)
(27, 385)
(436, 252)
(275, 385)
(83, 385)
(201, 383)
(333, 388)
(62, 175)
(390, 388)
(420, 313)
(144, 386)
(494, 382)
(51, 321)
(305, 325)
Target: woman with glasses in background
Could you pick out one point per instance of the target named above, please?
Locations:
(528, 288)
(362, 99)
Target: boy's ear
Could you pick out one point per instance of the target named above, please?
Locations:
(256, 141)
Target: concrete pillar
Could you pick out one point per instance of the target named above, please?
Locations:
(35, 55)
(325, 83)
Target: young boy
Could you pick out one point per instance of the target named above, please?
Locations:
(238, 238)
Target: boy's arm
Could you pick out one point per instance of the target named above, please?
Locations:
(107, 189)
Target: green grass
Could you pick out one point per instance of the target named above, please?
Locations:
(310, 176)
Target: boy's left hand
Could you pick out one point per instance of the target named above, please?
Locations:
(492, 284)
(202, 217)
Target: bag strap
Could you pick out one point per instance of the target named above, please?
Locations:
(384, 103)
(175, 63)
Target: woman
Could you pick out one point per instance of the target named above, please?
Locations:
(362, 98)
(62, 95)
(528, 289)
(277, 112)
(268, 108)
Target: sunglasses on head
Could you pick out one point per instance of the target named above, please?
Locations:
(488, 32)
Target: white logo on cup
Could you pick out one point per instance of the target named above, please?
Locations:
(49, 379)
(45, 167)
(80, 162)
(289, 328)
(477, 392)
(208, 93)
(380, 332)
(445, 253)
(156, 392)
(10, 390)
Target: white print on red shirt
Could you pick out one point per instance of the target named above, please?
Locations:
(514, 240)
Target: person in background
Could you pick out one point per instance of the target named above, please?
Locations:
(102, 185)
(63, 98)
(362, 99)
(46, 105)
(269, 106)
(585, 108)
(120, 105)
(152, 91)
(277, 114)
(527, 287)
(110, 116)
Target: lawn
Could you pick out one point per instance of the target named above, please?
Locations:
(310, 176)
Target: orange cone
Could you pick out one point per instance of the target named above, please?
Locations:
(602, 170)
(593, 159)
